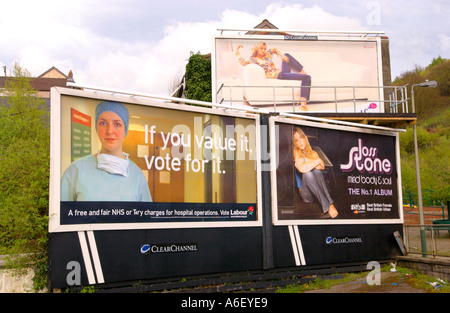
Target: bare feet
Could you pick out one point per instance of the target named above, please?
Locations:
(302, 104)
(332, 211)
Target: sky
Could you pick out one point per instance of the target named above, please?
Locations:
(144, 45)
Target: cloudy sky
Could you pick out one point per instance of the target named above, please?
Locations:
(143, 45)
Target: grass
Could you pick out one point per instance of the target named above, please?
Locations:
(422, 281)
(405, 275)
(319, 283)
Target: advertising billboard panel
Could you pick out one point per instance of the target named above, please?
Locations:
(313, 73)
(189, 191)
(124, 163)
(329, 174)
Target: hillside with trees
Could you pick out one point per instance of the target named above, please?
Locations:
(433, 128)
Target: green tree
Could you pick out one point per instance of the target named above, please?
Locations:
(407, 139)
(433, 132)
(436, 61)
(198, 78)
(24, 174)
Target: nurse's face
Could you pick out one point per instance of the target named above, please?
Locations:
(111, 132)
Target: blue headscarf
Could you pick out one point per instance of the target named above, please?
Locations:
(115, 107)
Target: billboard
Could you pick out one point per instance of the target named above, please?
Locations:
(330, 174)
(125, 163)
(299, 73)
(145, 189)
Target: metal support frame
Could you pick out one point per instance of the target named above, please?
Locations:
(430, 84)
(344, 123)
(226, 106)
(395, 101)
(307, 32)
(165, 98)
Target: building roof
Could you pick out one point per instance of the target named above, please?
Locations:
(53, 72)
(50, 78)
(265, 24)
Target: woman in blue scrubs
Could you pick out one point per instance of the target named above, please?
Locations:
(108, 175)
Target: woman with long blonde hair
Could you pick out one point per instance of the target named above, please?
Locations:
(262, 56)
(308, 173)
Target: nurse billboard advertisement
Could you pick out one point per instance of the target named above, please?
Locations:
(329, 174)
(122, 163)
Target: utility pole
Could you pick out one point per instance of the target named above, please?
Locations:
(430, 84)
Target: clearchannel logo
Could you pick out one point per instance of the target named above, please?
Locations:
(168, 248)
(343, 240)
(145, 248)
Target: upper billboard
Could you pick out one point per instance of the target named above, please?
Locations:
(122, 163)
(297, 73)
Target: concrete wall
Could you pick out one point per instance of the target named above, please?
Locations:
(435, 267)
(10, 283)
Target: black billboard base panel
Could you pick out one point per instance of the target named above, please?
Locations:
(106, 257)
(96, 257)
(300, 245)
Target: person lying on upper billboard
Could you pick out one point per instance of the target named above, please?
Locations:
(263, 57)
(108, 175)
(308, 173)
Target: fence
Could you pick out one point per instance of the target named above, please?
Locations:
(394, 98)
(437, 240)
(435, 230)
(428, 198)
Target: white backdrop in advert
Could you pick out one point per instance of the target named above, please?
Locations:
(325, 63)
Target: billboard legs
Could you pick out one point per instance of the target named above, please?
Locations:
(419, 195)
(429, 84)
(266, 190)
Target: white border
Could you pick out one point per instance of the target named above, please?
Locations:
(55, 159)
(273, 172)
(340, 36)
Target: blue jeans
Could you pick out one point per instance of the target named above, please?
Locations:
(312, 186)
(286, 74)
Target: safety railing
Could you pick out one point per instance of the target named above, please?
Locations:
(437, 240)
(394, 98)
(429, 200)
